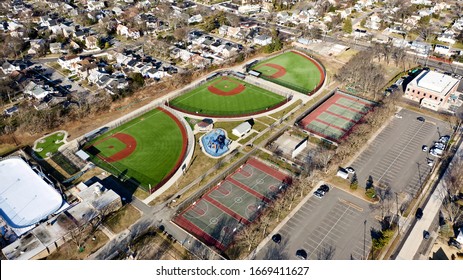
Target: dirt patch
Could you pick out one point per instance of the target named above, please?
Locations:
(239, 89)
(281, 71)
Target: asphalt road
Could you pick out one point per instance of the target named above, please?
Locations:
(332, 227)
(395, 157)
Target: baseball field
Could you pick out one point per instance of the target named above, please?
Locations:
(227, 97)
(294, 70)
(147, 149)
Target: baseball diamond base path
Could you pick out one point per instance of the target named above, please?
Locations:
(236, 90)
(130, 146)
(281, 71)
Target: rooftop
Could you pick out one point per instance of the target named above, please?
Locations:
(435, 81)
(25, 198)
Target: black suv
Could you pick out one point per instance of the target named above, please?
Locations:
(421, 119)
(276, 238)
(419, 213)
(324, 188)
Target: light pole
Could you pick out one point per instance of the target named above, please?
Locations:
(364, 239)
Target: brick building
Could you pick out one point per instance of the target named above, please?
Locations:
(432, 89)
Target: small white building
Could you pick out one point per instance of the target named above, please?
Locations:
(263, 40)
(242, 129)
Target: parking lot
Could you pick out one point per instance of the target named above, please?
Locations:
(395, 157)
(332, 227)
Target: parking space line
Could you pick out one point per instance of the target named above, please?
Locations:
(339, 219)
(404, 148)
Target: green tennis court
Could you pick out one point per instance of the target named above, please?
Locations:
(334, 120)
(345, 112)
(353, 104)
(325, 130)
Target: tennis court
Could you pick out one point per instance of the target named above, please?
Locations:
(336, 116)
(335, 120)
(232, 203)
(346, 112)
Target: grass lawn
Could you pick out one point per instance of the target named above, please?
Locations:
(123, 218)
(49, 145)
(158, 148)
(251, 100)
(281, 113)
(301, 73)
(249, 137)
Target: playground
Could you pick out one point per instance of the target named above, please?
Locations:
(46, 146)
(294, 70)
(233, 203)
(335, 117)
(215, 142)
(147, 150)
(226, 96)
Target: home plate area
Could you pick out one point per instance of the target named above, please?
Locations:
(233, 203)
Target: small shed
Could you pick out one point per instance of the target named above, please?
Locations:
(242, 129)
(205, 125)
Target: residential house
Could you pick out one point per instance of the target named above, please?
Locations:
(91, 42)
(263, 40)
(420, 47)
(37, 91)
(93, 5)
(223, 30)
(441, 49)
(36, 46)
(448, 36)
(69, 62)
(373, 22)
(10, 111)
(55, 48)
(8, 68)
(249, 9)
(195, 19)
(127, 32)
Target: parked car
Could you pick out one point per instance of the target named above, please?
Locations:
(430, 162)
(324, 188)
(398, 116)
(426, 234)
(301, 254)
(419, 213)
(276, 238)
(350, 170)
(454, 243)
(421, 119)
(319, 193)
(424, 148)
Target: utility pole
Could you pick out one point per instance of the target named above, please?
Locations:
(364, 239)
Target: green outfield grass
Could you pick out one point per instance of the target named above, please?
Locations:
(301, 73)
(49, 146)
(159, 146)
(201, 101)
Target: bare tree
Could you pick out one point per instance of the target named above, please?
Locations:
(326, 252)
(324, 157)
(452, 184)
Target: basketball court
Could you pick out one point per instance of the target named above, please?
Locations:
(232, 203)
